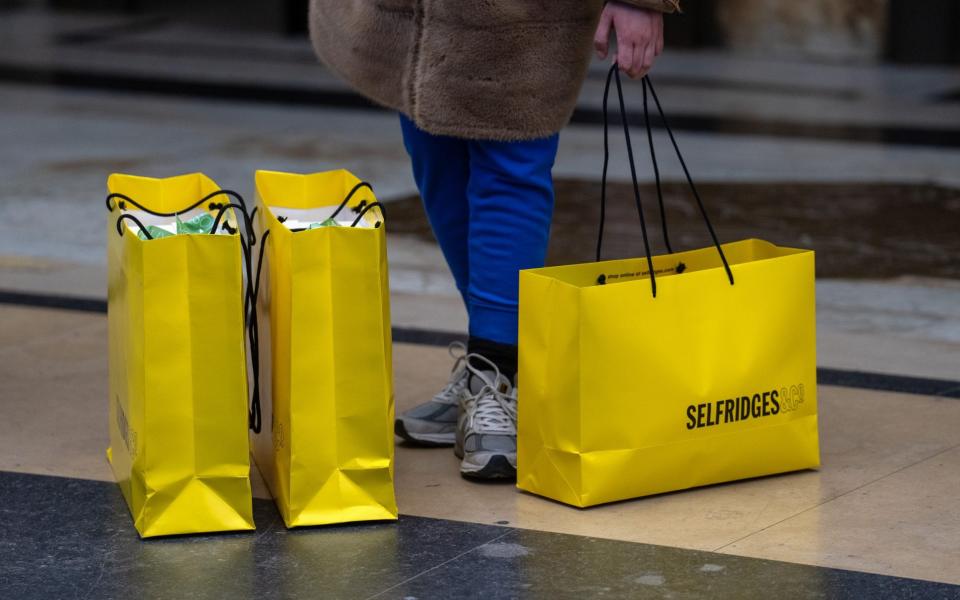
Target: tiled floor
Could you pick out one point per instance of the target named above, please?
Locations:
(70, 538)
(882, 503)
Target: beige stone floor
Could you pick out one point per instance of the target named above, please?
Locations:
(884, 501)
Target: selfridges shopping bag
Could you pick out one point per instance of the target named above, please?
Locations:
(326, 447)
(644, 376)
(178, 392)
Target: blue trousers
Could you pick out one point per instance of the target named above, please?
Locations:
(490, 205)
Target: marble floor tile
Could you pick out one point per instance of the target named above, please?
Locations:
(71, 538)
(898, 523)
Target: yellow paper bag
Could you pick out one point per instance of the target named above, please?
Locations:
(644, 376)
(624, 395)
(326, 447)
(178, 393)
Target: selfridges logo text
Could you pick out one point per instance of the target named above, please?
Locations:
(759, 405)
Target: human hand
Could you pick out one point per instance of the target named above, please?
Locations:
(639, 34)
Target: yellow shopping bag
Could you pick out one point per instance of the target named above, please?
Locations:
(643, 376)
(178, 393)
(326, 448)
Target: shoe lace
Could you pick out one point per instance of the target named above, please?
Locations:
(458, 374)
(494, 407)
(495, 412)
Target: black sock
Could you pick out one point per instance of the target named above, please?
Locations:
(502, 355)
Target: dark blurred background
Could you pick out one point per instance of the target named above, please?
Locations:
(903, 31)
(832, 125)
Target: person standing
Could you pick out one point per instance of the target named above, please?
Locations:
(482, 88)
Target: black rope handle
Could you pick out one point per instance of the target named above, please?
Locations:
(343, 203)
(656, 170)
(263, 246)
(615, 74)
(647, 82)
(366, 209)
(350, 194)
(123, 199)
(356, 221)
(123, 218)
(255, 417)
(606, 164)
(246, 218)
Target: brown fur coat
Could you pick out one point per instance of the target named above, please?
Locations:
(479, 69)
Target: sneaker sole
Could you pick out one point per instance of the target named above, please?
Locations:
(425, 440)
(498, 467)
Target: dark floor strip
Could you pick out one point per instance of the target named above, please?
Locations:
(889, 383)
(175, 49)
(187, 88)
(951, 96)
(429, 337)
(107, 32)
(874, 134)
(403, 335)
(75, 538)
(426, 337)
(700, 83)
(94, 305)
(344, 99)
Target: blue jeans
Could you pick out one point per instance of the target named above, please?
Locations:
(490, 205)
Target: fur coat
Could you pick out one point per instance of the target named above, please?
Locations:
(477, 69)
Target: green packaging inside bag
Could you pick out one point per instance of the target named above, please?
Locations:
(202, 223)
(327, 223)
(155, 232)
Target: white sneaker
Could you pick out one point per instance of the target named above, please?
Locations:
(434, 422)
(486, 440)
